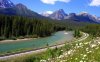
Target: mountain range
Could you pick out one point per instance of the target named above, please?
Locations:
(9, 8)
(82, 17)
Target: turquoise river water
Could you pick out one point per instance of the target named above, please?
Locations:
(58, 37)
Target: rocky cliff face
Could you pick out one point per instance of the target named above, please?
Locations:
(58, 15)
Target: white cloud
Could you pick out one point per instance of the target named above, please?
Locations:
(95, 3)
(49, 12)
(54, 1)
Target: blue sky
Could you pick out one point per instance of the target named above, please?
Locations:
(69, 6)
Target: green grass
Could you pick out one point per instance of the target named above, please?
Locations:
(82, 55)
(15, 51)
(93, 56)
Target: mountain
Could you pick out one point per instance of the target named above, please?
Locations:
(58, 15)
(72, 16)
(86, 17)
(98, 18)
(24, 11)
(82, 17)
(6, 4)
(20, 10)
(9, 8)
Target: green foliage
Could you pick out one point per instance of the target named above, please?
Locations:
(13, 38)
(2, 38)
(20, 37)
(77, 33)
(22, 26)
(93, 29)
(32, 59)
(50, 53)
(67, 47)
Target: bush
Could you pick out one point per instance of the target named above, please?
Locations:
(77, 33)
(21, 37)
(13, 38)
(31, 36)
(35, 36)
(2, 38)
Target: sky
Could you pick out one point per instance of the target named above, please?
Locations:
(69, 6)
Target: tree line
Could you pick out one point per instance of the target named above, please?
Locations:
(77, 33)
(15, 26)
(93, 29)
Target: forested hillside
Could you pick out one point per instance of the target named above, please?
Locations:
(16, 26)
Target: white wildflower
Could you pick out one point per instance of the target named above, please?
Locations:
(48, 58)
(76, 44)
(87, 49)
(84, 55)
(80, 44)
(86, 43)
(69, 52)
(90, 51)
(66, 54)
(83, 58)
(84, 61)
(42, 60)
(61, 56)
(97, 48)
(62, 50)
(81, 61)
(97, 37)
(98, 42)
(76, 58)
(63, 60)
(93, 45)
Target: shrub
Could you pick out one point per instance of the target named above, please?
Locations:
(2, 38)
(13, 38)
(20, 37)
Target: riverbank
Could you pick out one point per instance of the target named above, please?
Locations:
(17, 40)
(38, 50)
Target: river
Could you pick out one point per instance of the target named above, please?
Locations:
(56, 38)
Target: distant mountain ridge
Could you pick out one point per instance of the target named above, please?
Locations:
(82, 17)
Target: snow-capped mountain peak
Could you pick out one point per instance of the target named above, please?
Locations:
(83, 13)
(59, 14)
(6, 4)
